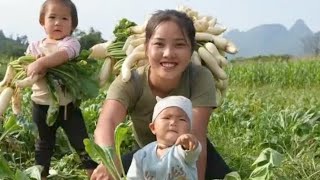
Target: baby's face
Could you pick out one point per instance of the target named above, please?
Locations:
(170, 124)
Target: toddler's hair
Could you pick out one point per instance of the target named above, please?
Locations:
(67, 3)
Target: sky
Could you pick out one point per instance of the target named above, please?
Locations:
(20, 17)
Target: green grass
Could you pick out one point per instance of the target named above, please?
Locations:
(273, 104)
(270, 104)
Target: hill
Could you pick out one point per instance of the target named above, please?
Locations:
(270, 39)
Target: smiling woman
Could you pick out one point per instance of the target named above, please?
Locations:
(170, 40)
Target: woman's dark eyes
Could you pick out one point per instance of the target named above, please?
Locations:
(180, 44)
(177, 45)
(158, 44)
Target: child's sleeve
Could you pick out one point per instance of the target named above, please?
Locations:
(71, 45)
(33, 49)
(135, 171)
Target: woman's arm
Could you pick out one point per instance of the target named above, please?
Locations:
(200, 121)
(112, 114)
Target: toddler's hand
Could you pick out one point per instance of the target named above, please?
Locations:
(35, 67)
(187, 141)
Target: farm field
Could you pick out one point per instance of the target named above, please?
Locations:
(271, 106)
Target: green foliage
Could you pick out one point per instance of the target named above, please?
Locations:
(88, 39)
(122, 30)
(267, 127)
(255, 118)
(12, 47)
(106, 155)
(267, 159)
(275, 72)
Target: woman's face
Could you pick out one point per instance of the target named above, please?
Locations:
(168, 51)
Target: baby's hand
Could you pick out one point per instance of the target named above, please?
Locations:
(187, 141)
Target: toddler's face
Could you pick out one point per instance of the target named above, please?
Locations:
(169, 125)
(57, 21)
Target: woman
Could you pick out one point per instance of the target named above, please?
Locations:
(170, 41)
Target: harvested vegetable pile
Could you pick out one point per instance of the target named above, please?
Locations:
(69, 75)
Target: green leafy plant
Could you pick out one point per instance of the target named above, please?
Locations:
(106, 155)
(267, 160)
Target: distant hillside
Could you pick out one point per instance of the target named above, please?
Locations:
(12, 47)
(270, 39)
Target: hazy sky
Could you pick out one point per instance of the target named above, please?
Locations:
(20, 17)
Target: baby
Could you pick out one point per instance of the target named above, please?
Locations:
(174, 154)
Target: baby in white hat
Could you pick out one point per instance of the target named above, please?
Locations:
(176, 151)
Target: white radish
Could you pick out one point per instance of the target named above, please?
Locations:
(137, 42)
(222, 61)
(220, 42)
(27, 82)
(127, 43)
(16, 101)
(10, 72)
(98, 51)
(128, 63)
(216, 30)
(212, 22)
(218, 97)
(105, 72)
(139, 48)
(129, 49)
(5, 98)
(203, 36)
(137, 29)
(221, 84)
(212, 64)
(130, 38)
(222, 52)
(231, 48)
(195, 58)
(192, 14)
(201, 25)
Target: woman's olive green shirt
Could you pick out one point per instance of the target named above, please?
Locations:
(197, 84)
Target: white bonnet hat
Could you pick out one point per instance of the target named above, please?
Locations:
(173, 101)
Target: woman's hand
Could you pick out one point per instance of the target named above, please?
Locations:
(187, 141)
(101, 173)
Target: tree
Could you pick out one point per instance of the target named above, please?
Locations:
(311, 44)
(87, 40)
(13, 47)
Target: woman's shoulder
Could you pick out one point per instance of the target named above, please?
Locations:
(198, 71)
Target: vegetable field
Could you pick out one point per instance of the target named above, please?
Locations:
(268, 126)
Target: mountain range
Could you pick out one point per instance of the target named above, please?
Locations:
(269, 39)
